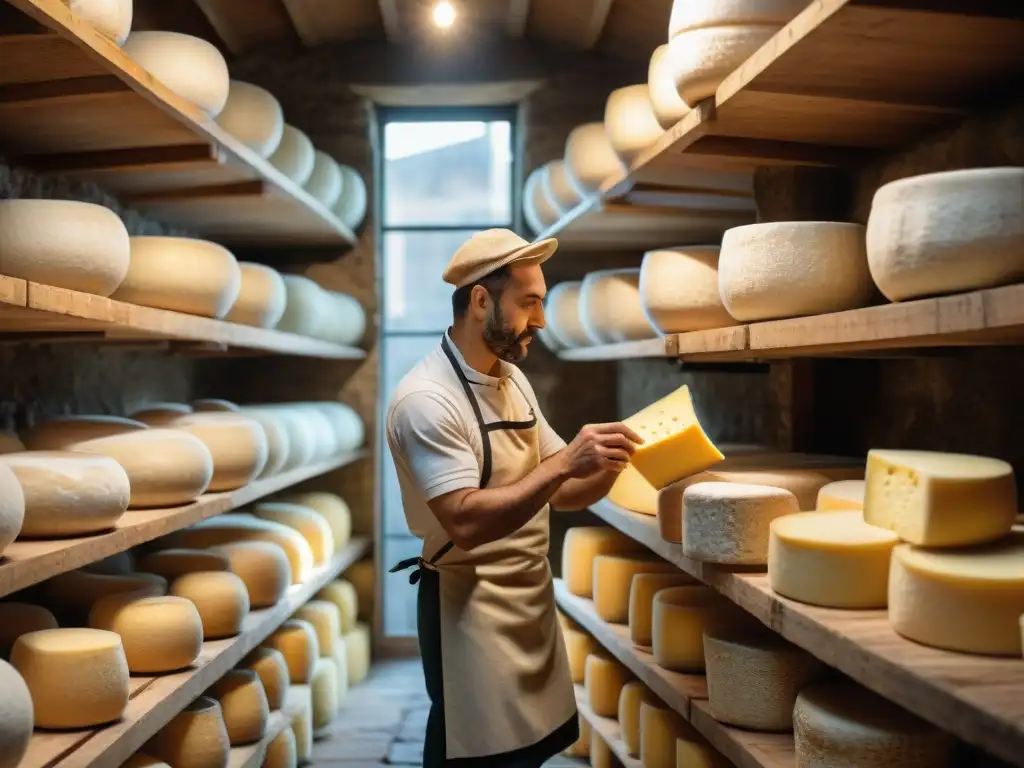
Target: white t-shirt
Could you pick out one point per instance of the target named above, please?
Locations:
(434, 437)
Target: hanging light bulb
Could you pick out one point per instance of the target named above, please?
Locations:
(444, 14)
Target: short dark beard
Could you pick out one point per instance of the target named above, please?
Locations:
(503, 341)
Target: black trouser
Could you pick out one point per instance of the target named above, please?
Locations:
(434, 748)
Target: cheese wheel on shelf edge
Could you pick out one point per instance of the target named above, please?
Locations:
(302, 726)
(15, 716)
(92, 658)
(669, 109)
(313, 528)
(175, 562)
(278, 442)
(71, 595)
(679, 617)
(253, 116)
(325, 182)
(111, 18)
(358, 651)
(363, 576)
(237, 444)
(831, 559)
(538, 209)
(581, 747)
(243, 704)
(262, 566)
(68, 493)
(195, 738)
(559, 188)
(351, 206)
(604, 680)
(578, 646)
(331, 507)
(64, 243)
(630, 121)
(220, 597)
(12, 507)
(843, 725)
(295, 155)
(160, 414)
(261, 297)
(324, 687)
(342, 593)
(688, 15)
(270, 665)
(700, 59)
(613, 579)
(610, 308)
(281, 752)
(17, 619)
(325, 618)
(590, 157)
(632, 491)
(344, 320)
(601, 755)
(660, 727)
(297, 641)
(967, 599)
(225, 529)
(579, 548)
(303, 305)
(641, 602)
(562, 310)
(630, 698)
(679, 290)
(159, 634)
(189, 66)
(340, 659)
(841, 495)
(917, 247)
(63, 432)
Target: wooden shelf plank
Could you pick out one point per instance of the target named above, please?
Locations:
(26, 562)
(156, 700)
(683, 693)
(976, 698)
(627, 350)
(608, 728)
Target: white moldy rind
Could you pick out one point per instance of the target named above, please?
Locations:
(111, 18)
(325, 182)
(539, 210)
(730, 522)
(590, 157)
(700, 59)
(303, 305)
(610, 308)
(12, 507)
(669, 108)
(189, 66)
(562, 312)
(294, 156)
(559, 188)
(947, 232)
(15, 716)
(679, 289)
(351, 206)
(254, 117)
(698, 14)
(261, 297)
(630, 122)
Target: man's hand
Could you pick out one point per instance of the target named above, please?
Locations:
(600, 448)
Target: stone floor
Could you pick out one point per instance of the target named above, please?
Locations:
(382, 723)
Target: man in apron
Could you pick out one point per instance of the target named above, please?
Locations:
(478, 467)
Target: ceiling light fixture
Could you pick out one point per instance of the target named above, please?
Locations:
(444, 14)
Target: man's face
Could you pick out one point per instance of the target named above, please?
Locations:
(513, 319)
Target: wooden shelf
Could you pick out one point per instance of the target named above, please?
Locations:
(72, 103)
(976, 698)
(35, 312)
(156, 700)
(27, 562)
(608, 728)
(628, 350)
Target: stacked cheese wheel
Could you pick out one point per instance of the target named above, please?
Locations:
(320, 313)
(190, 67)
(630, 121)
(605, 308)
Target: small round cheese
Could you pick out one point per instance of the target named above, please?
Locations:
(729, 523)
(947, 232)
(590, 157)
(68, 493)
(325, 182)
(604, 680)
(630, 122)
(253, 116)
(161, 414)
(219, 596)
(15, 716)
(358, 653)
(331, 508)
(172, 563)
(831, 559)
(243, 704)
(312, 526)
(303, 307)
(159, 634)
(342, 593)
(630, 699)
(281, 752)
(610, 308)
(340, 659)
(297, 641)
(261, 296)
(72, 594)
(325, 618)
(641, 602)
(351, 206)
(12, 507)
(181, 274)
(841, 495)
(214, 404)
(10, 443)
(324, 688)
(17, 619)
(239, 527)
(111, 18)
(295, 155)
(581, 545)
(679, 290)
(632, 491)
(558, 187)
(613, 579)
(660, 727)
(349, 430)
(562, 311)
(270, 665)
(754, 677)
(78, 678)
(344, 319)
(188, 66)
(669, 109)
(578, 646)
(690, 14)
(64, 432)
(302, 727)
(967, 599)
(195, 738)
(601, 755)
(539, 210)
(843, 725)
(802, 483)
(278, 443)
(679, 616)
(64, 243)
(581, 747)
(363, 576)
(700, 59)
(237, 444)
(262, 566)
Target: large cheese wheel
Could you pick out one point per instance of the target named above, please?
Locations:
(181, 274)
(161, 414)
(237, 444)
(312, 526)
(159, 634)
(195, 738)
(802, 483)
(788, 269)
(261, 296)
(843, 725)
(295, 155)
(581, 545)
(841, 495)
(642, 591)
(296, 640)
(303, 307)
(610, 307)
(967, 599)
(324, 687)
(730, 523)
(80, 246)
(601, 755)
(559, 187)
(562, 311)
(12, 507)
(262, 566)
(63, 432)
(71, 595)
(700, 59)
(78, 678)
(539, 209)
(219, 596)
(947, 232)
(604, 680)
(15, 716)
(631, 697)
(270, 665)
(578, 646)
(253, 116)
(679, 616)
(831, 559)
(189, 66)
(282, 753)
(111, 18)
(630, 122)
(679, 290)
(351, 206)
(325, 618)
(10, 443)
(238, 527)
(632, 491)
(349, 430)
(325, 182)
(16, 619)
(68, 493)
(278, 442)
(590, 157)
(243, 703)
(358, 652)
(691, 14)
(331, 507)
(669, 109)
(302, 727)
(172, 563)
(613, 581)
(660, 727)
(344, 319)
(342, 593)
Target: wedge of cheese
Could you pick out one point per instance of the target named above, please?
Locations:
(632, 491)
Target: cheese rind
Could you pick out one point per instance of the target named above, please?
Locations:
(601, 755)
(240, 527)
(940, 499)
(295, 155)
(262, 566)
(324, 687)
(219, 596)
(581, 545)
(633, 694)
(841, 495)
(358, 653)
(351, 206)
(302, 726)
(313, 528)
(161, 414)
(344, 320)
(968, 599)
(559, 188)
(630, 121)
(325, 618)
(237, 445)
(172, 563)
(700, 59)
(691, 14)
(243, 704)
(281, 753)
(831, 559)
(189, 66)
(17, 619)
(111, 18)
(679, 290)
(297, 641)
(15, 716)
(261, 296)
(660, 727)
(669, 109)
(71, 595)
(63, 432)
(604, 680)
(590, 157)
(303, 306)
(539, 210)
(325, 181)
(641, 602)
(159, 634)
(579, 645)
(195, 738)
(342, 593)
(680, 615)
(730, 523)
(331, 508)
(270, 665)
(581, 747)
(610, 309)
(363, 576)
(253, 116)
(562, 310)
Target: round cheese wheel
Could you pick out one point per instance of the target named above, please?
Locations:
(331, 507)
(679, 290)
(10, 443)
(93, 660)
(340, 659)
(349, 430)
(296, 640)
(312, 526)
(282, 753)
(262, 566)
(324, 688)
(679, 616)
(237, 444)
(73, 594)
(342, 593)
(214, 404)
(325, 618)
(294, 156)
(64, 243)
(159, 634)
(68, 493)
(181, 274)
(605, 678)
(15, 716)
(610, 307)
(539, 209)
(111, 18)
(278, 444)
(578, 646)
(303, 307)
(219, 596)
(240, 527)
(630, 122)
(12, 507)
(841, 495)
(272, 668)
(590, 157)
(802, 483)
(188, 66)
(947, 232)
(66, 431)
(243, 704)
(562, 311)
(630, 698)
(669, 109)
(195, 738)
(688, 14)
(700, 59)
(351, 206)
(613, 580)
(172, 563)
(16, 619)
(363, 576)
(325, 182)
(161, 414)
(642, 591)
(793, 268)
(343, 320)
(580, 547)
(601, 755)
(660, 727)
(358, 653)
(559, 189)
(261, 297)
(253, 116)
(302, 727)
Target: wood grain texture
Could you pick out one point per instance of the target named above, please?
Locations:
(323, 21)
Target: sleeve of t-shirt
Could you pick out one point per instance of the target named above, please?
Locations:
(426, 434)
(550, 441)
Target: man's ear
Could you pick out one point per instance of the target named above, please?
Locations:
(479, 300)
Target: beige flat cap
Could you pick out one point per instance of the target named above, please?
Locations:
(493, 249)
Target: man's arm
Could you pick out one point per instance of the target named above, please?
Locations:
(580, 493)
